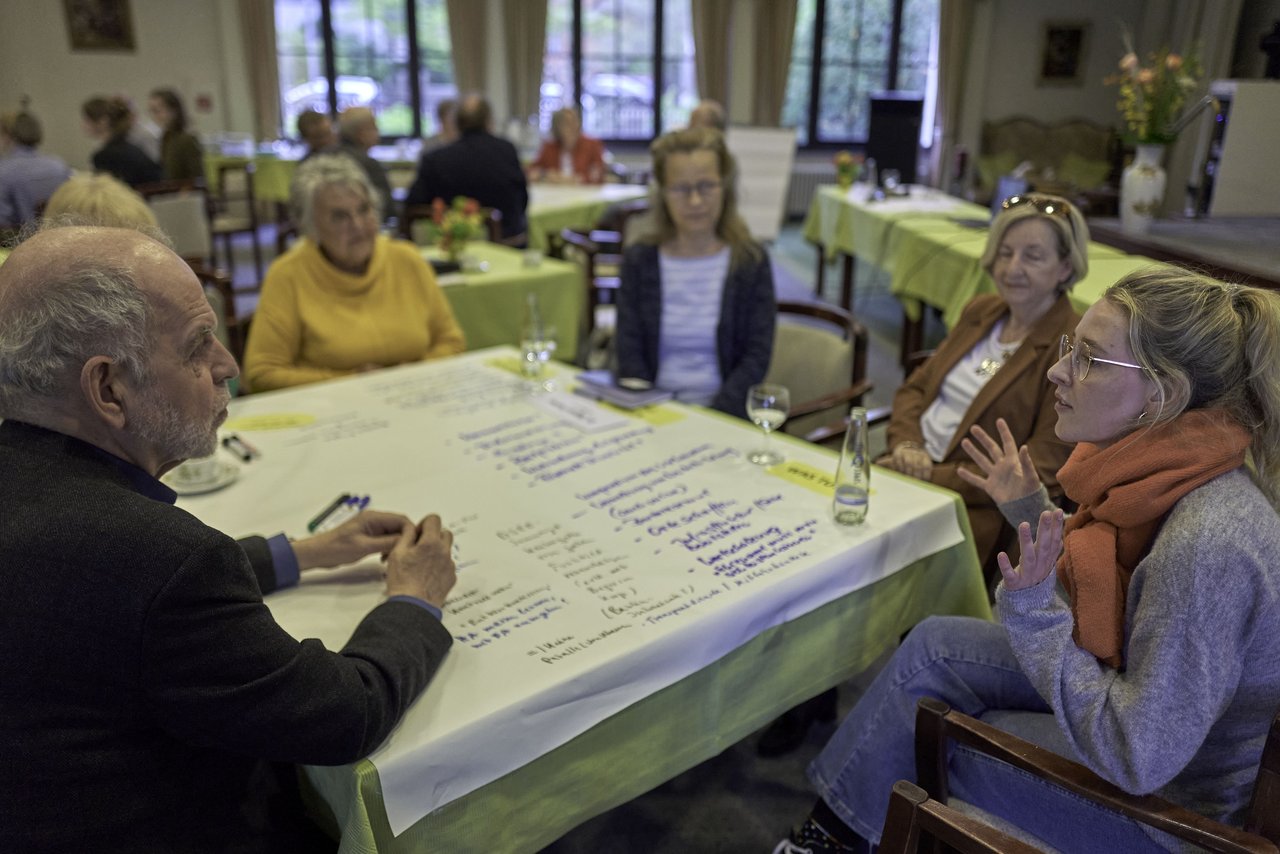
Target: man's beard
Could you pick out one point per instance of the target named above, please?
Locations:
(159, 423)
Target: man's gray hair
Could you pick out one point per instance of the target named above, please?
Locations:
(49, 331)
(326, 170)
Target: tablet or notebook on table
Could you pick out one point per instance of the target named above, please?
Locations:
(627, 393)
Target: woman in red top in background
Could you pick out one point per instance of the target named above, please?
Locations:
(570, 156)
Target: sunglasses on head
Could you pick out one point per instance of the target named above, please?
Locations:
(1047, 205)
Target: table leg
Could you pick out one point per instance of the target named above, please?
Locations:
(820, 279)
(846, 283)
(912, 337)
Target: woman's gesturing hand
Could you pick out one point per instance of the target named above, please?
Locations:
(1039, 556)
(1009, 473)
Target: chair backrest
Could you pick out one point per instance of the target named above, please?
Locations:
(817, 350)
(917, 823)
(764, 158)
(233, 195)
(182, 211)
(937, 725)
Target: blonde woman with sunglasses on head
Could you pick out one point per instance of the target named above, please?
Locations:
(993, 361)
(1140, 637)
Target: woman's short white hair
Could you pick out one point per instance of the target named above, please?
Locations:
(326, 170)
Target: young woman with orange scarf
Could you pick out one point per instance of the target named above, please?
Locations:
(1157, 661)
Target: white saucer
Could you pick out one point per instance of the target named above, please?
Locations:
(227, 474)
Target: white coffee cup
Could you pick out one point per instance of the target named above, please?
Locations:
(197, 471)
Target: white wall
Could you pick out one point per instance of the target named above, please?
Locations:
(179, 44)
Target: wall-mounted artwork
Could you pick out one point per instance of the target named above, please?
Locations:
(99, 24)
(1062, 58)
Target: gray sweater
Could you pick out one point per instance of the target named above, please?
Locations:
(1188, 715)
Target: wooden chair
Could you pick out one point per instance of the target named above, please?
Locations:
(820, 355)
(937, 725)
(235, 211)
(600, 250)
(183, 210)
(917, 823)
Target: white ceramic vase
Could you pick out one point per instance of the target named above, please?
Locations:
(1142, 189)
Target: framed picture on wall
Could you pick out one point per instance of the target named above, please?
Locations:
(1063, 55)
(99, 24)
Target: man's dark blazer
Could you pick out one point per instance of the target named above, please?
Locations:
(145, 687)
(479, 166)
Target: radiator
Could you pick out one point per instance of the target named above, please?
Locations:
(805, 179)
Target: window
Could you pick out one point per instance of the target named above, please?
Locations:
(846, 50)
(389, 55)
(611, 57)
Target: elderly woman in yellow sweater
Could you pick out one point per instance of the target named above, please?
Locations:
(344, 299)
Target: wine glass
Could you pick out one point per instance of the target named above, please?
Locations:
(767, 404)
(538, 345)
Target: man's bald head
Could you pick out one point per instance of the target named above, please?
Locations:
(474, 114)
(67, 294)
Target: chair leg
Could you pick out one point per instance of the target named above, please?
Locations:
(847, 283)
(819, 281)
(229, 249)
(257, 256)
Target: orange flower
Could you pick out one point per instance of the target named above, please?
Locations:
(1173, 62)
(1128, 62)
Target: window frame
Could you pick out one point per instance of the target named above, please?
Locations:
(814, 96)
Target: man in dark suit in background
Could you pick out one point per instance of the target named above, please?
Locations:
(480, 166)
(144, 686)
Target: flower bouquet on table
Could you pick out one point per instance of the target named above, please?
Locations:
(1152, 96)
(1152, 100)
(848, 167)
(456, 224)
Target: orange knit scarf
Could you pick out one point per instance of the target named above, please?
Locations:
(1124, 492)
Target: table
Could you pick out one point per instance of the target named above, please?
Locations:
(631, 598)
(1234, 249)
(273, 174)
(490, 305)
(851, 223)
(554, 207)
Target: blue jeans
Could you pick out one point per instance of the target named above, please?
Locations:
(969, 665)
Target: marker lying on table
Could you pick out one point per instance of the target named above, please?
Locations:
(239, 447)
(328, 511)
(338, 512)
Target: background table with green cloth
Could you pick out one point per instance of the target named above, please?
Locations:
(490, 305)
(554, 207)
(848, 222)
(939, 264)
(273, 175)
(511, 746)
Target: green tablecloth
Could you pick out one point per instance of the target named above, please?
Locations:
(670, 731)
(939, 264)
(554, 207)
(845, 221)
(490, 305)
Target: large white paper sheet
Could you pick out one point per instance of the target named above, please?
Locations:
(595, 568)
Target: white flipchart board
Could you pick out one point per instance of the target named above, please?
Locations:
(764, 158)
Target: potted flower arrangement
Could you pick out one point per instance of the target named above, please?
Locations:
(455, 224)
(1151, 101)
(848, 167)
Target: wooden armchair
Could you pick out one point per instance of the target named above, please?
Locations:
(937, 724)
(235, 211)
(820, 354)
(601, 252)
(917, 823)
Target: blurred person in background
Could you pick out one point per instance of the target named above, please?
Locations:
(570, 156)
(109, 121)
(316, 131)
(27, 177)
(181, 157)
(358, 133)
(477, 165)
(100, 200)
